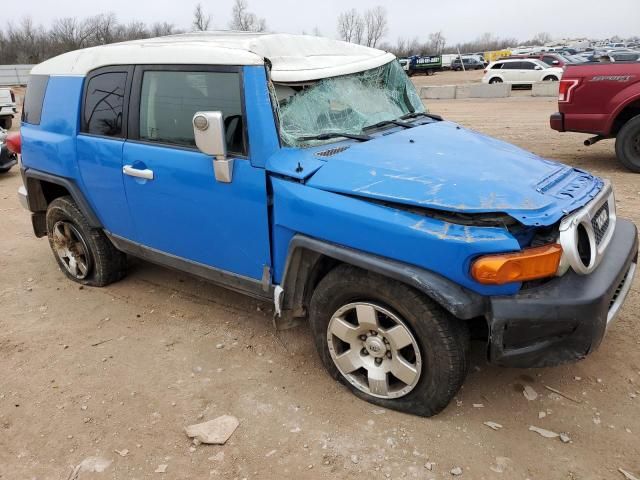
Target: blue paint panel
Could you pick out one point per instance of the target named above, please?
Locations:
(184, 211)
(263, 136)
(294, 163)
(100, 163)
(442, 166)
(51, 146)
(432, 244)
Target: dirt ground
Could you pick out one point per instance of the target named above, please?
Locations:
(86, 371)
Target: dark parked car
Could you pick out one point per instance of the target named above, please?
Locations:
(469, 64)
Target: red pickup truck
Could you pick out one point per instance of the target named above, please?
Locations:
(603, 99)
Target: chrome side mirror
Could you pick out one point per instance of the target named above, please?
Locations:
(209, 133)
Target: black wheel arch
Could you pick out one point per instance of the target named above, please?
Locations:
(310, 259)
(43, 188)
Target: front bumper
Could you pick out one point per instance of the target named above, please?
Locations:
(557, 121)
(566, 318)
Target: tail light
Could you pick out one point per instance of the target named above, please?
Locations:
(13, 96)
(14, 142)
(566, 89)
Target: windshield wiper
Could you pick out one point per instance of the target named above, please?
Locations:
(399, 123)
(421, 114)
(327, 136)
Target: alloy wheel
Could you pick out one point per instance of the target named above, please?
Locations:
(374, 350)
(71, 249)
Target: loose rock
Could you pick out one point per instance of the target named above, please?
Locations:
(529, 393)
(215, 431)
(543, 432)
(162, 468)
(354, 459)
(628, 475)
(493, 425)
(122, 453)
(456, 471)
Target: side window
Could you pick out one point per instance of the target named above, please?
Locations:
(104, 104)
(497, 66)
(512, 66)
(528, 66)
(548, 60)
(169, 99)
(34, 99)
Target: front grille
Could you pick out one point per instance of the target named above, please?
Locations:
(600, 230)
(331, 152)
(618, 289)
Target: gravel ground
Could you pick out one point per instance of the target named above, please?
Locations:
(86, 371)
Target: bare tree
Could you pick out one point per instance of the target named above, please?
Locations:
(244, 20)
(201, 20)
(70, 34)
(375, 21)
(351, 26)
(161, 29)
(541, 39)
(104, 28)
(436, 43)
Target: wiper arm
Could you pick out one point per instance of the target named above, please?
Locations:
(399, 123)
(421, 114)
(327, 136)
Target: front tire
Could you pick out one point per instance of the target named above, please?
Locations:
(495, 80)
(550, 78)
(388, 343)
(84, 254)
(628, 145)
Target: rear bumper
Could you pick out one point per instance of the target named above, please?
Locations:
(557, 121)
(7, 159)
(565, 319)
(8, 111)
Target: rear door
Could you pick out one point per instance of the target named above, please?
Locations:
(103, 128)
(179, 209)
(528, 72)
(511, 72)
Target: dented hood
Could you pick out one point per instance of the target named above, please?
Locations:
(446, 167)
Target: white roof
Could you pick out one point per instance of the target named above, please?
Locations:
(294, 58)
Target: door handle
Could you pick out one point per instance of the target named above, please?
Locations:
(135, 172)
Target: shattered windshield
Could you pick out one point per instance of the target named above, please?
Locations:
(347, 104)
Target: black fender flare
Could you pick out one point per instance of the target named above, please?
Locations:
(305, 254)
(38, 202)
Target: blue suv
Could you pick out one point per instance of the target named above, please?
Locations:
(307, 172)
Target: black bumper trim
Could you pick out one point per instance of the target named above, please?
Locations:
(564, 319)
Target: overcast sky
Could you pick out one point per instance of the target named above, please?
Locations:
(460, 20)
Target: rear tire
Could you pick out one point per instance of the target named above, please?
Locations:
(495, 80)
(550, 78)
(84, 254)
(628, 144)
(416, 340)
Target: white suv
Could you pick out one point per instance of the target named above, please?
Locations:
(7, 107)
(523, 71)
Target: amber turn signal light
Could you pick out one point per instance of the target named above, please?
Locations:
(527, 264)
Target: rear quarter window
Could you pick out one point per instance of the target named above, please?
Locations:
(34, 99)
(103, 110)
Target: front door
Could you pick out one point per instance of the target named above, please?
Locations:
(177, 206)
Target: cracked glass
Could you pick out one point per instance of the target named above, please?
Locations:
(345, 104)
